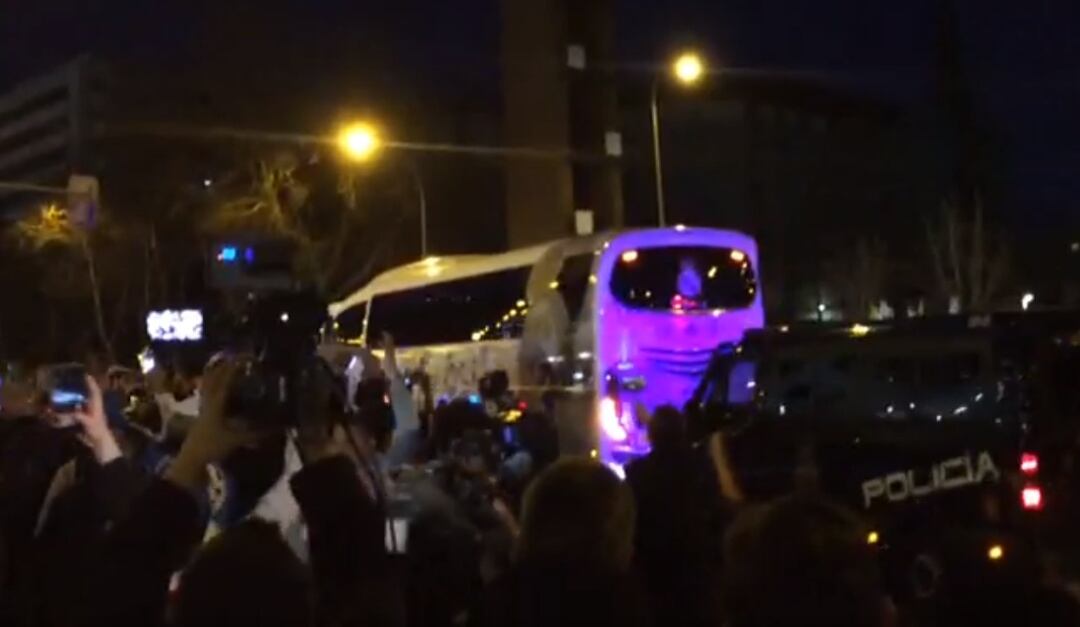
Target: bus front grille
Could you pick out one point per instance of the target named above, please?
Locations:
(685, 362)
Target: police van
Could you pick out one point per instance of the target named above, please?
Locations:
(956, 438)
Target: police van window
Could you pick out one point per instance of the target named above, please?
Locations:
(954, 369)
(898, 370)
(574, 283)
(797, 397)
(485, 307)
(789, 367)
(742, 383)
(349, 325)
(843, 363)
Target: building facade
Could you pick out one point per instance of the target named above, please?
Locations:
(46, 130)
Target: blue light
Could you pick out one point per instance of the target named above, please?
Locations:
(227, 254)
(249, 254)
(474, 399)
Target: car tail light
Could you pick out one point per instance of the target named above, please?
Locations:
(1029, 463)
(1031, 498)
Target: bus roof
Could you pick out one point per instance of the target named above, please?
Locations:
(441, 269)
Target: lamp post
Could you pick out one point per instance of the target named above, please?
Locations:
(688, 69)
(360, 142)
(421, 201)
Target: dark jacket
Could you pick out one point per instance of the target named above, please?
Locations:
(57, 547)
(165, 526)
(680, 520)
(355, 581)
(679, 506)
(544, 596)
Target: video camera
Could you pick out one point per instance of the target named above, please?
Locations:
(277, 328)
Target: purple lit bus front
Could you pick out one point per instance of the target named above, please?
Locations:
(665, 298)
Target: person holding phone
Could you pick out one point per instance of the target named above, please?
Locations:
(88, 493)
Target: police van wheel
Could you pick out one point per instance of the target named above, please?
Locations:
(925, 575)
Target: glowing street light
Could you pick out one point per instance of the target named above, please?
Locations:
(359, 141)
(687, 69)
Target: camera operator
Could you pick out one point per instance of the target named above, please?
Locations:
(381, 435)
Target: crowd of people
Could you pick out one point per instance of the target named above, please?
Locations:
(373, 509)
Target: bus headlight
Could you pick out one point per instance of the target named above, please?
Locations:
(610, 423)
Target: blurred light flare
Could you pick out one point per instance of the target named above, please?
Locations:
(359, 141)
(688, 68)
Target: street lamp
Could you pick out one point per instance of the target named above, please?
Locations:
(359, 141)
(688, 69)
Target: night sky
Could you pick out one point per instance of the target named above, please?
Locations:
(1022, 57)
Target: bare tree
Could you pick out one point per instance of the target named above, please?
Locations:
(332, 238)
(858, 279)
(969, 264)
(52, 226)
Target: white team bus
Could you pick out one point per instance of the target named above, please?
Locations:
(588, 326)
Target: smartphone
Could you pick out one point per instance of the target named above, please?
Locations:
(146, 361)
(397, 535)
(67, 388)
(175, 325)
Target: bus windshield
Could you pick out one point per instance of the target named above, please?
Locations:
(684, 278)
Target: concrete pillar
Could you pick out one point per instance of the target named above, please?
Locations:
(539, 192)
(550, 106)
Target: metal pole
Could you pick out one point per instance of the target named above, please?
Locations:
(657, 166)
(421, 198)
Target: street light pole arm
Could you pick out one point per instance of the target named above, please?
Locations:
(16, 186)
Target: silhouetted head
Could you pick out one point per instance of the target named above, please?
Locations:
(187, 371)
(667, 429)
(246, 576)
(801, 561)
(453, 420)
(577, 514)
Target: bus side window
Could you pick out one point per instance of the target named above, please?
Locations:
(349, 325)
(574, 283)
(487, 306)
